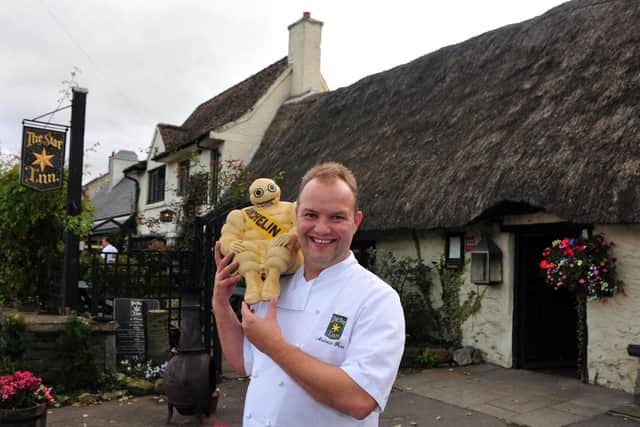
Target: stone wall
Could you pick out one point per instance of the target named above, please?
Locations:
(42, 357)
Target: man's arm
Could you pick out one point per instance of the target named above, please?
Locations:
(228, 325)
(326, 383)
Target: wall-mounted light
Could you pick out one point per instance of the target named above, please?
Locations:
(454, 251)
(166, 215)
(486, 263)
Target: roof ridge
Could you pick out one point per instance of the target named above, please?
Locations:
(241, 82)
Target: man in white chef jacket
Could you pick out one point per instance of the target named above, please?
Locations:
(327, 351)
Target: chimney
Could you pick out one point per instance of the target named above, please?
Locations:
(118, 162)
(304, 54)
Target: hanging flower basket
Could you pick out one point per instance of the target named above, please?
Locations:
(582, 265)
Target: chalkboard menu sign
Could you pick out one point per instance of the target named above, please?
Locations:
(130, 335)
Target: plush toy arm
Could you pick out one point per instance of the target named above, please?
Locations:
(288, 239)
(232, 232)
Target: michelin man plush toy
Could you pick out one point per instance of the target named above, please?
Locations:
(263, 238)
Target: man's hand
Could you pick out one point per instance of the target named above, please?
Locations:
(226, 277)
(264, 333)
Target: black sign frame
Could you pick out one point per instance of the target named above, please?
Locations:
(43, 152)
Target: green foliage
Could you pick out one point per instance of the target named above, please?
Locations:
(110, 381)
(32, 225)
(452, 314)
(411, 278)
(427, 360)
(234, 181)
(15, 339)
(79, 370)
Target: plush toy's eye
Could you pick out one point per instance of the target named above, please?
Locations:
(258, 193)
(271, 188)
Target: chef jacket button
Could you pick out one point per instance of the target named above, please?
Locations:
(281, 383)
(268, 423)
(255, 375)
(249, 415)
(317, 311)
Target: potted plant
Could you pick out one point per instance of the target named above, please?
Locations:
(23, 400)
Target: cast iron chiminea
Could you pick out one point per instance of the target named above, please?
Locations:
(190, 378)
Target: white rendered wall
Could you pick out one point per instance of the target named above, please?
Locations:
(491, 328)
(243, 136)
(616, 324)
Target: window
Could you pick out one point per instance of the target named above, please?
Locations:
(455, 251)
(183, 178)
(156, 185)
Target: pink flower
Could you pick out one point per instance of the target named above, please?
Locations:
(23, 390)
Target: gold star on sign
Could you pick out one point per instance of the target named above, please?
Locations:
(335, 328)
(43, 159)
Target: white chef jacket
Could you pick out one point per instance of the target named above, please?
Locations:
(347, 317)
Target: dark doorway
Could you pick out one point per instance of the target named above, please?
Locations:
(545, 320)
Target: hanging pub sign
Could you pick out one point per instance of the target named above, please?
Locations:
(42, 161)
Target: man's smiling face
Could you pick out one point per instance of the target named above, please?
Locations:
(326, 223)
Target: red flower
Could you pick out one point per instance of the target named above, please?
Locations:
(546, 265)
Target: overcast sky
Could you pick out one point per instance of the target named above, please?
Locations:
(154, 61)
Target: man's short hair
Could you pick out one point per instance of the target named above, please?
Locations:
(328, 172)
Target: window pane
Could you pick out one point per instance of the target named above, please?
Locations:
(156, 185)
(455, 245)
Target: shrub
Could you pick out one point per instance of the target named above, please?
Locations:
(79, 370)
(427, 360)
(15, 339)
(452, 314)
(411, 278)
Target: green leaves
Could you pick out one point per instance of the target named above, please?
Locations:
(32, 225)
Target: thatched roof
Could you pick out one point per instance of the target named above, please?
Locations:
(172, 136)
(544, 113)
(223, 108)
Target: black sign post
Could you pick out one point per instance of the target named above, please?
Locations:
(70, 271)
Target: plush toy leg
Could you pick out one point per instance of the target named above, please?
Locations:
(278, 260)
(271, 286)
(253, 281)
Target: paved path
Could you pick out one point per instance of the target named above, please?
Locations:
(482, 395)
